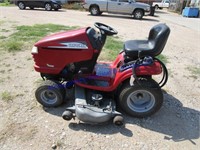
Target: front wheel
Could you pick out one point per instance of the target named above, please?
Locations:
(94, 10)
(50, 93)
(21, 5)
(138, 14)
(141, 100)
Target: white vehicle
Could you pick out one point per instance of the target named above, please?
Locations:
(162, 4)
(128, 7)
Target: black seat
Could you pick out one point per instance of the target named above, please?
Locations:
(157, 39)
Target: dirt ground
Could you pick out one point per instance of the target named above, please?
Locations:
(24, 124)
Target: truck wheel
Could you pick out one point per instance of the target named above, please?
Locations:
(48, 7)
(140, 100)
(21, 5)
(138, 14)
(94, 10)
(156, 7)
(50, 93)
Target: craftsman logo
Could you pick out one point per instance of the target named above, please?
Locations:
(75, 45)
(71, 45)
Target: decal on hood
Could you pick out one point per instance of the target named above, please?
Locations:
(71, 45)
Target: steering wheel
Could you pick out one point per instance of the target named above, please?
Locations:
(105, 28)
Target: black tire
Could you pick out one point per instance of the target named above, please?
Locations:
(67, 115)
(31, 8)
(156, 7)
(118, 120)
(50, 93)
(48, 7)
(94, 10)
(21, 5)
(56, 9)
(138, 14)
(141, 100)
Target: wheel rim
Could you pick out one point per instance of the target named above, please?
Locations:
(138, 14)
(141, 101)
(49, 97)
(48, 7)
(21, 5)
(94, 11)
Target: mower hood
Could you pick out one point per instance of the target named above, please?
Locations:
(67, 36)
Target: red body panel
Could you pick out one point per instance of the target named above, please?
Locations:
(53, 60)
(114, 82)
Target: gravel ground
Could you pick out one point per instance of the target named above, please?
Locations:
(24, 124)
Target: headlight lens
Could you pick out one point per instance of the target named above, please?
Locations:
(34, 50)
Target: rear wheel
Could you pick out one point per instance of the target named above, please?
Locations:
(94, 10)
(50, 93)
(48, 7)
(21, 5)
(138, 14)
(141, 100)
(31, 7)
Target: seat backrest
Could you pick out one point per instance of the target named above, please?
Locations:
(158, 36)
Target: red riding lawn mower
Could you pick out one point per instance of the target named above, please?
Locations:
(68, 60)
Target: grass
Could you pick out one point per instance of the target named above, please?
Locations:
(195, 71)
(26, 36)
(6, 96)
(4, 30)
(74, 6)
(29, 58)
(163, 58)
(2, 37)
(6, 3)
(111, 49)
(2, 22)
(13, 45)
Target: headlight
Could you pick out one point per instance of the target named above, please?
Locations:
(34, 50)
(148, 9)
